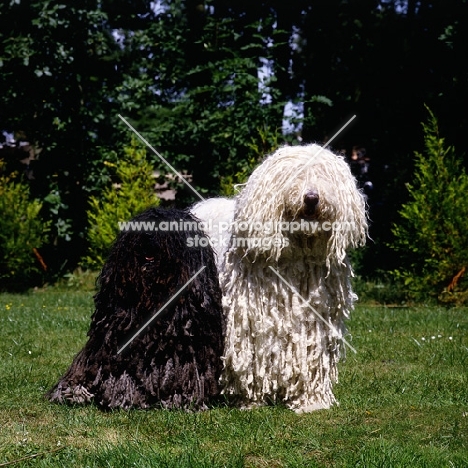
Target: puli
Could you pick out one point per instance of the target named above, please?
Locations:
(282, 245)
(133, 358)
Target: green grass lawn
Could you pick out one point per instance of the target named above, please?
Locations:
(404, 400)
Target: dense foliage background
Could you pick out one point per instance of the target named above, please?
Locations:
(213, 85)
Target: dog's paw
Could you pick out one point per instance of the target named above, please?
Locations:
(252, 405)
(77, 395)
(310, 408)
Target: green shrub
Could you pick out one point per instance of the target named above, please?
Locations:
(22, 234)
(131, 192)
(432, 235)
(264, 144)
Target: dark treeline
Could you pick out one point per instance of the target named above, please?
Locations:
(186, 74)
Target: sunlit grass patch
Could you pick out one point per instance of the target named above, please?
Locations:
(403, 400)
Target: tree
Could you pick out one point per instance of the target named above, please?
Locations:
(211, 114)
(60, 64)
(22, 235)
(431, 236)
(56, 75)
(130, 193)
(186, 73)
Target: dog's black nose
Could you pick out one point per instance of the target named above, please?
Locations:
(311, 199)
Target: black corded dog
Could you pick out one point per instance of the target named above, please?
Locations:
(134, 359)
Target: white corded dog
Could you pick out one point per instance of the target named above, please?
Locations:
(285, 275)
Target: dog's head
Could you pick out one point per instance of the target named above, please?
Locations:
(302, 191)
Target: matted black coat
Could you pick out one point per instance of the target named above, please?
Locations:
(175, 362)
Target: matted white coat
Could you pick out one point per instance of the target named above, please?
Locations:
(286, 294)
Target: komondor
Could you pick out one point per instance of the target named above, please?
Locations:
(285, 276)
(131, 360)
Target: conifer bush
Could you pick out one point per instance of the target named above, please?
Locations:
(129, 193)
(432, 236)
(22, 234)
